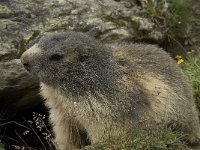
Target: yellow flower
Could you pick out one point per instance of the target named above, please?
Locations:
(180, 61)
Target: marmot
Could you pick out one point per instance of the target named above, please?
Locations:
(96, 90)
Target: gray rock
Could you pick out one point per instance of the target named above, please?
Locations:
(17, 88)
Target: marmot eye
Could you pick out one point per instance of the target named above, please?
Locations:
(56, 57)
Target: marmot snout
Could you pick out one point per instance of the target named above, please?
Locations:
(94, 90)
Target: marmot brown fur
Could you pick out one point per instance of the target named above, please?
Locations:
(95, 90)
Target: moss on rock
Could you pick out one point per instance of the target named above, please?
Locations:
(4, 10)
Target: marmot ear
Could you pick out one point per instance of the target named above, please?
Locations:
(83, 53)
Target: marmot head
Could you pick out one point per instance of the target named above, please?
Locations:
(69, 60)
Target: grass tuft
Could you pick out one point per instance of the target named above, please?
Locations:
(162, 139)
(192, 69)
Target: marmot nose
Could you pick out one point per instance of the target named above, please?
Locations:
(25, 61)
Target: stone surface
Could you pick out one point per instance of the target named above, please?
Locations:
(17, 88)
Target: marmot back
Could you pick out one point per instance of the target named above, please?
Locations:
(96, 90)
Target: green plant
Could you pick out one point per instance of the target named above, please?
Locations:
(173, 15)
(155, 7)
(24, 131)
(179, 13)
(192, 69)
(2, 146)
(162, 139)
(173, 18)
